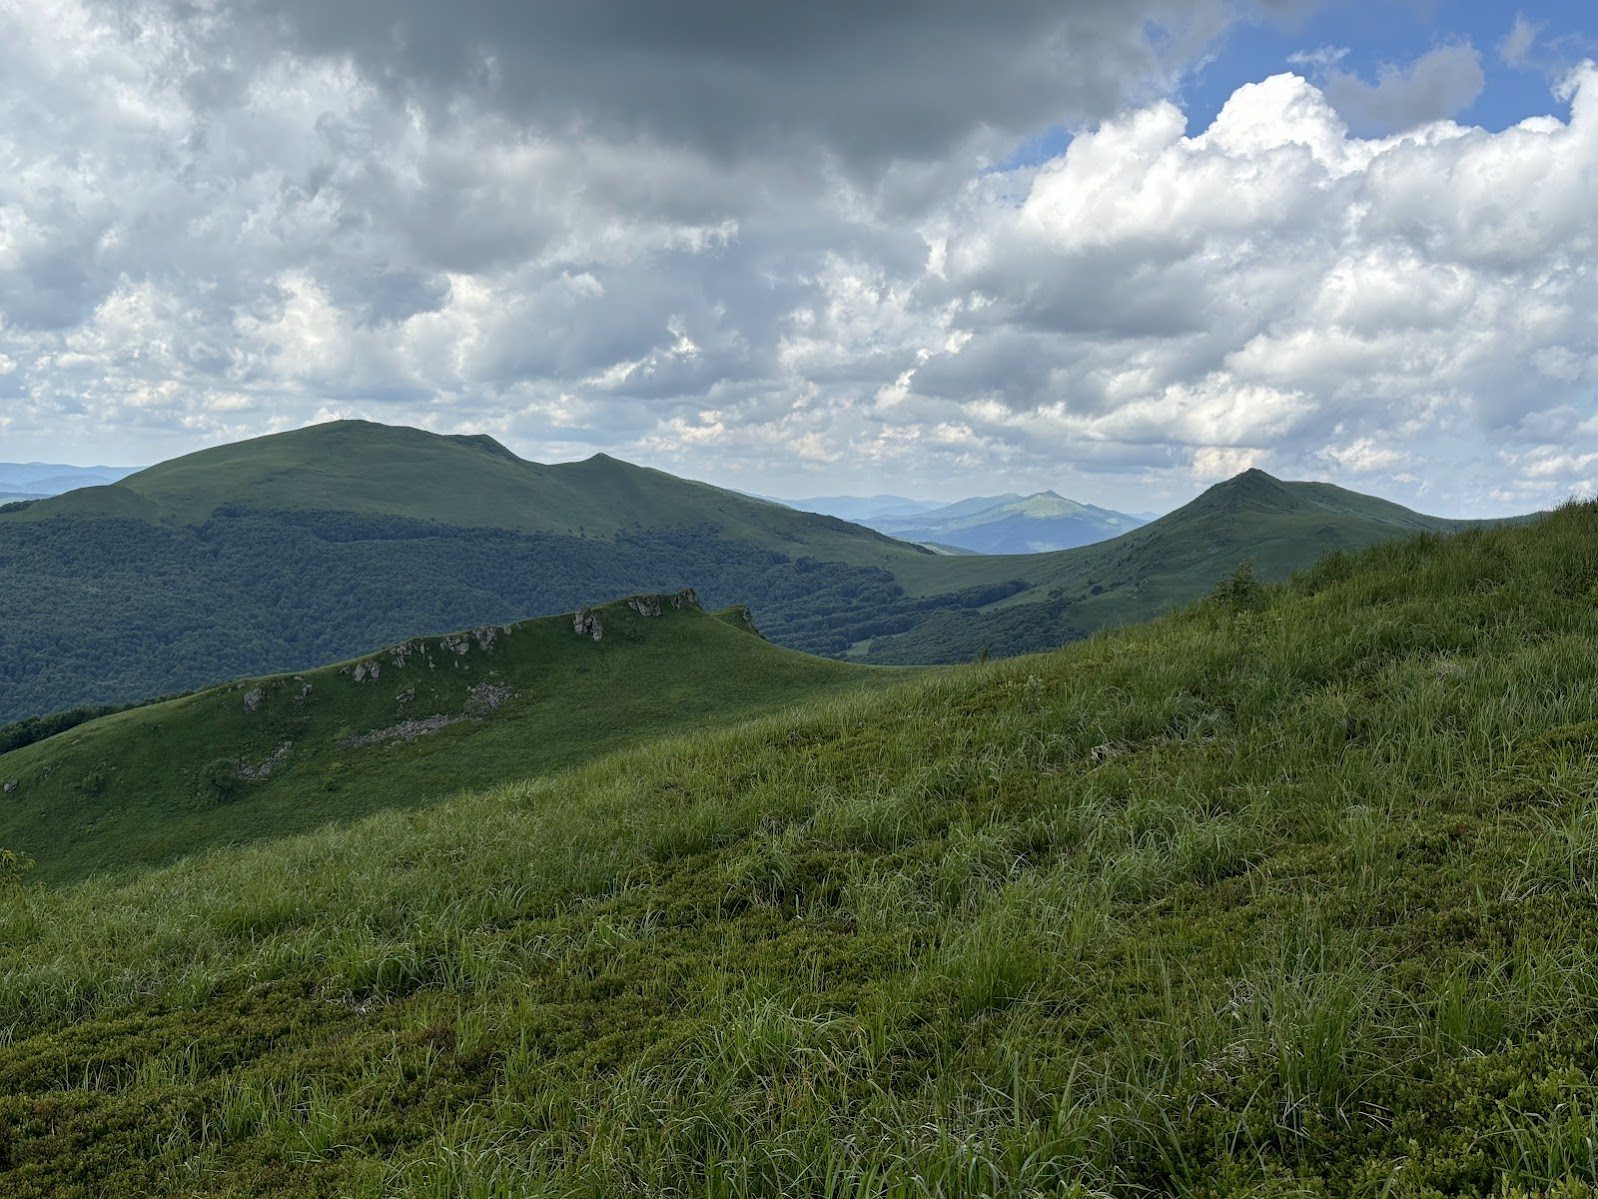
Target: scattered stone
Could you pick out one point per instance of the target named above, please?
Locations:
(586, 623)
(8, 786)
(256, 774)
(406, 730)
(485, 697)
(253, 698)
(405, 697)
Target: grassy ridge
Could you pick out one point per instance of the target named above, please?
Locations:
(408, 726)
(1288, 894)
(465, 481)
(1279, 527)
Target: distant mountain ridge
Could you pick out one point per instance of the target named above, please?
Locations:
(38, 480)
(284, 552)
(1278, 526)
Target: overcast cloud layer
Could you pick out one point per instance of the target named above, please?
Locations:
(791, 257)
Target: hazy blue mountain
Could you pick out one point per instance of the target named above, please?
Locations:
(863, 509)
(1012, 524)
(30, 480)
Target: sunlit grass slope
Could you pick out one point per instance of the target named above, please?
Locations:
(1291, 893)
(411, 725)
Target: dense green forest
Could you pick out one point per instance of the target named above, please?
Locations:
(137, 609)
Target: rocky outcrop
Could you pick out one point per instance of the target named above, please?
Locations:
(8, 786)
(645, 605)
(253, 698)
(586, 623)
(260, 773)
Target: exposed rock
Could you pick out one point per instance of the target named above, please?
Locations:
(586, 623)
(406, 730)
(253, 698)
(400, 653)
(8, 786)
(256, 774)
(488, 634)
(485, 697)
(686, 597)
(367, 670)
(405, 697)
(645, 605)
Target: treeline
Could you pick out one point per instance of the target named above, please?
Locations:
(98, 612)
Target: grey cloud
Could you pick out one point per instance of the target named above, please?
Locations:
(1440, 83)
(1518, 41)
(870, 82)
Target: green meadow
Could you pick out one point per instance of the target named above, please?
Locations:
(1291, 892)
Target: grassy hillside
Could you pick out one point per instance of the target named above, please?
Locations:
(1288, 894)
(403, 728)
(1278, 526)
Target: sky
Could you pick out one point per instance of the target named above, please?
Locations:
(1121, 249)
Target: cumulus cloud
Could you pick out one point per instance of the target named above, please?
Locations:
(1360, 304)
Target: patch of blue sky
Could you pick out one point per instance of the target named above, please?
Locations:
(1524, 52)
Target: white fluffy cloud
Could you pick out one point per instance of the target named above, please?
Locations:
(1273, 285)
(202, 239)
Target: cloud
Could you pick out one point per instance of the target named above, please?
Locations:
(1363, 305)
(1518, 41)
(226, 220)
(1439, 84)
(866, 83)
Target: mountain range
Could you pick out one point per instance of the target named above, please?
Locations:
(37, 480)
(290, 551)
(1000, 524)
